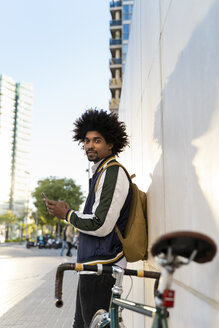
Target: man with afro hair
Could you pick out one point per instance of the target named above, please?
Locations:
(103, 137)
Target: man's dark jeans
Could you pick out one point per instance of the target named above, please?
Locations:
(93, 293)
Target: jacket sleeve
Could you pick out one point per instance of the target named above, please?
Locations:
(110, 197)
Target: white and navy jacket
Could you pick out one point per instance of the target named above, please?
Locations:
(98, 241)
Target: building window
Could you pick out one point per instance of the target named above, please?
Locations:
(124, 51)
(125, 31)
(127, 12)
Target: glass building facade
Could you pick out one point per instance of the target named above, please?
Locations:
(121, 14)
(16, 102)
(127, 10)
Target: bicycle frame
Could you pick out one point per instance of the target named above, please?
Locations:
(160, 315)
(113, 317)
(168, 250)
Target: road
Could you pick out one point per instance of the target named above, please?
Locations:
(24, 271)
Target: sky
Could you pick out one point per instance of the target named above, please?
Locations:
(62, 48)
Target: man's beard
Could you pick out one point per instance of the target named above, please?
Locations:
(92, 156)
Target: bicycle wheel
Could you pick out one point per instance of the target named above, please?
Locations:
(98, 318)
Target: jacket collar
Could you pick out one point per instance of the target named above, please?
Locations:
(96, 168)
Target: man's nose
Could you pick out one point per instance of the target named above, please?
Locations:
(90, 144)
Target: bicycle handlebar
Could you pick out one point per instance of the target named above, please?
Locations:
(95, 268)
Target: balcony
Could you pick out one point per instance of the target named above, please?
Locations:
(115, 4)
(115, 61)
(115, 83)
(115, 22)
(114, 104)
(115, 42)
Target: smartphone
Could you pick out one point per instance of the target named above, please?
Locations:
(43, 195)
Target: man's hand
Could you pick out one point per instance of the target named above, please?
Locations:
(55, 208)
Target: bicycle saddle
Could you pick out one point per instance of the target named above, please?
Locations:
(183, 243)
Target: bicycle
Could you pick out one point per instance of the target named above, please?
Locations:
(170, 250)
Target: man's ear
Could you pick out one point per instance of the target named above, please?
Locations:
(110, 146)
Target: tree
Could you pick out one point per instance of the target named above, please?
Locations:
(56, 189)
(9, 219)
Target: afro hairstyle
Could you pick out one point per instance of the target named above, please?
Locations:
(106, 124)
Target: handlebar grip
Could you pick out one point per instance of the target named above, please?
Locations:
(59, 280)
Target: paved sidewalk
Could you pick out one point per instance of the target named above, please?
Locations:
(38, 309)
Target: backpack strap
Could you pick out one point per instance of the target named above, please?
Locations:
(105, 168)
(98, 180)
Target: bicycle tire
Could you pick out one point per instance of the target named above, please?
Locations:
(97, 319)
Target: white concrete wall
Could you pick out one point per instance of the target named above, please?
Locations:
(170, 103)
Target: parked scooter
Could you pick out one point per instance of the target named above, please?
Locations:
(58, 243)
(29, 243)
(41, 242)
(44, 242)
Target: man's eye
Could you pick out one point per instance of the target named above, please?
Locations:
(97, 141)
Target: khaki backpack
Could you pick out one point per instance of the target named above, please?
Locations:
(135, 240)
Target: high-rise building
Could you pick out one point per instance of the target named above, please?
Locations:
(121, 14)
(16, 102)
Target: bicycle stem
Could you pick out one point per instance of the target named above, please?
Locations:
(118, 273)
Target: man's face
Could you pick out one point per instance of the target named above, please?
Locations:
(96, 147)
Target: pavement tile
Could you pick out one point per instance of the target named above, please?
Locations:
(38, 310)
